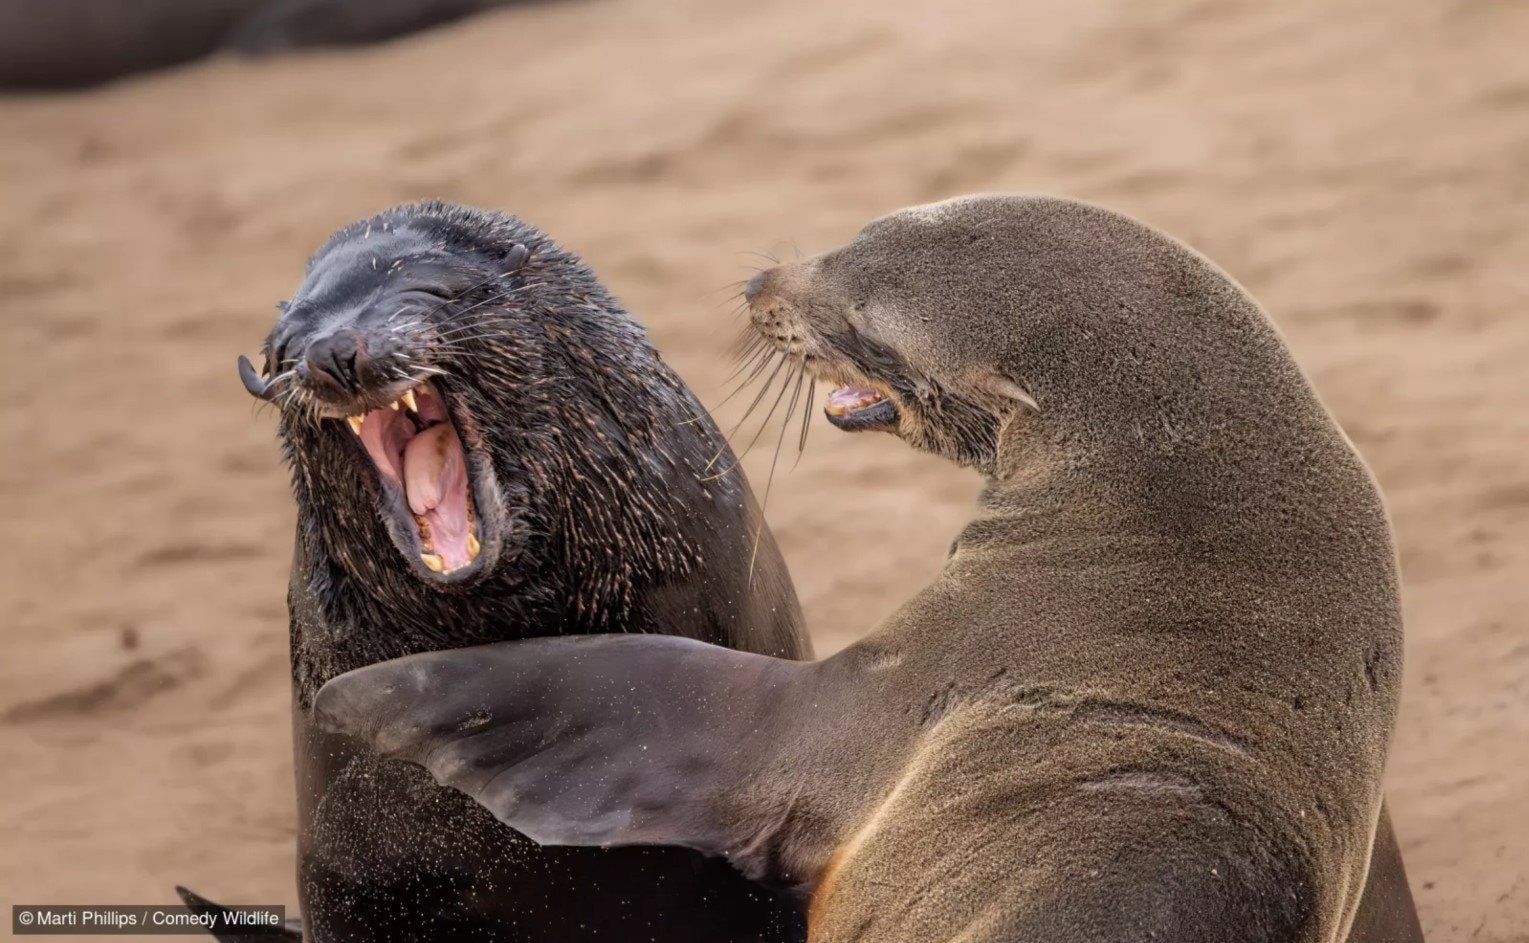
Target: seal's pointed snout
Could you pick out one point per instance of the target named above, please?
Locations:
(755, 286)
(342, 361)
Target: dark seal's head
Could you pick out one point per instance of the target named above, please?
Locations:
(386, 362)
(466, 410)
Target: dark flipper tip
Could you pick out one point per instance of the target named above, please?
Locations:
(290, 932)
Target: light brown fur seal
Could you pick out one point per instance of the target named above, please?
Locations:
(1149, 697)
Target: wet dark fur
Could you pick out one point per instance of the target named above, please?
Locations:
(599, 452)
(598, 448)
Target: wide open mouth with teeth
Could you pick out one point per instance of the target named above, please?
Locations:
(860, 408)
(426, 478)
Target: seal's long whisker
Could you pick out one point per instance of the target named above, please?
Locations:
(456, 343)
(801, 445)
(755, 363)
(764, 424)
(780, 362)
(747, 342)
(761, 354)
(468, 290)
(476, 305)
(780, 440)
(730, 286)
(749, 338)
(470, 332)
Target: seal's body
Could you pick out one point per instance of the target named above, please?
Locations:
(1149, 697)
(484, 446)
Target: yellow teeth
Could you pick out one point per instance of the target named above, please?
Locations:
(433, 561)
(473, 546)
(393, 406)
(408, 400)
(355, 424)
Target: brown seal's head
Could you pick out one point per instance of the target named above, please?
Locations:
(955, 325)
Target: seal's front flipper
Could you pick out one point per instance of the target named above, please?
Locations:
(1386, 912)
(290, 932)
(603, 740)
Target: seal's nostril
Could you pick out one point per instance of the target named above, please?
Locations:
(335, 360)
(755, 286)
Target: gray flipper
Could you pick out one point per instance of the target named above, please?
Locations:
(290, 932)
(1386, 912)
(604, 740)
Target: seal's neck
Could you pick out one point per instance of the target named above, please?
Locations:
(1185, 470)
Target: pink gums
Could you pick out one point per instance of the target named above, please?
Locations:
(847, 399)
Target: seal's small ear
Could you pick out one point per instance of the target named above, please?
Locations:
(516, 258)
(1000, 385)
(257, 386)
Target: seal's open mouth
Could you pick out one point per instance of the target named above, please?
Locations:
(425, 475)
(858, 409)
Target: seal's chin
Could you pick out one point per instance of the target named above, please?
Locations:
(426, 482)
(860, 409)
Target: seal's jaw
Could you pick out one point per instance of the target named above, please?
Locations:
(861, 409)
(876, 388)
(430, 484)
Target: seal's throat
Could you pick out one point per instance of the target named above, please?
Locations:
(421, 464)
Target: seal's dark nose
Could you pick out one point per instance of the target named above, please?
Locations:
(755, 286)
(338, 361)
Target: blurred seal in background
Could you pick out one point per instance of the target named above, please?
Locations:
(74, 43)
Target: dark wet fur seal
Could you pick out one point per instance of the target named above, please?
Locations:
(1150, 696)
(50, 44)
(591, 508)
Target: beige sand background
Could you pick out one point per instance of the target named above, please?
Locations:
(1362, 167)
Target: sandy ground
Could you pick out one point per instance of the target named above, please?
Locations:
(1362, 168)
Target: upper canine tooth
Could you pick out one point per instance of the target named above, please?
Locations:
(433, 561)
(355, 424)
(472, 545)
(408, 400)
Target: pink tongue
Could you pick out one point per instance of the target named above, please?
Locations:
(435, 482)
(385, 435)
